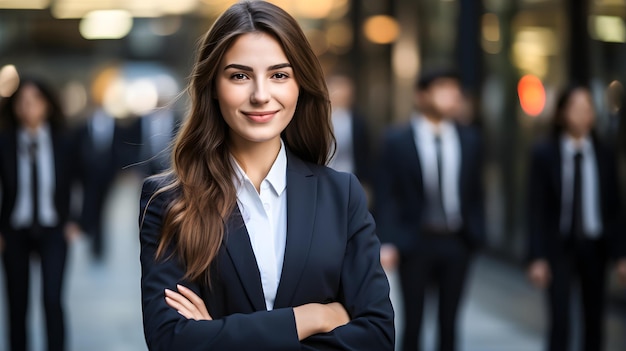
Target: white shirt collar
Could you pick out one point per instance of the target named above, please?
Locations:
(276, 177)
(570, 146)
(425, 127)
(42, 135)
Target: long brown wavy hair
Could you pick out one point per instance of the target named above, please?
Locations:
(201, 174)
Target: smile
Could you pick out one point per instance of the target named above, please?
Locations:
(261, 116)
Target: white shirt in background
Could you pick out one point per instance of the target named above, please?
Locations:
(22, 216)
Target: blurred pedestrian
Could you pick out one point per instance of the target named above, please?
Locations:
(573, 219)
(99, 142)
(37, 169)
(429, 204)
(353, 153)
(250, 242)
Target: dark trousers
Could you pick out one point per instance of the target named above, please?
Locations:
(95, 195)
(51, 248)
(444, 260)
(586, 260)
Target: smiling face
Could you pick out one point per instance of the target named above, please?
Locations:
(256, 89)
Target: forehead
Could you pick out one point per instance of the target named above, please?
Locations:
(257, 49)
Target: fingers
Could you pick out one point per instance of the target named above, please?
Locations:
(195, 300)
(180, 304)
(187, 303)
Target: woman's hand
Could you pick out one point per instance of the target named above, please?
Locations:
(389, 257)
(187, 303)
(539, 273)
(72, 231)
(315, 318)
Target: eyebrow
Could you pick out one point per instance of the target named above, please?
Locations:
(249, 69)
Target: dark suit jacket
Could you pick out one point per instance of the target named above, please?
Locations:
(65, 166)
(99, 165)
(332, 254)
(544, 199)
(361, 149)
(400, 191)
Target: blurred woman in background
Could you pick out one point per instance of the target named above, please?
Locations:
(37, 160)
(573, 218)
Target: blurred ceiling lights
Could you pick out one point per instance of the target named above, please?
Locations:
(24, 4)
(137, 8)
(532, 46)
(609, 29)
(491, 33)
(106, 24)
(313, 9)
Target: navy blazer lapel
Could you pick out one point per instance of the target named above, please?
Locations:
(239, 249)
(410, 149)
(301, 206)
(464, 146)
(556, 166)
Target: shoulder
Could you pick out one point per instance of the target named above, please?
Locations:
(469, 133)
(157, 184)
(397, 135)
(545, 146)
(327, 178)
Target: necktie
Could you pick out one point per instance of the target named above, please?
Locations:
(34, 184)
(439, 156)
(577, 220)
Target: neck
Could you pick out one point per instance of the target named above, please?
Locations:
(577, 138)
(32, 130)
(256, 159)
(434, 120)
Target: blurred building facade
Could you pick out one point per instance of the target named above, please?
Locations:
(513, 55)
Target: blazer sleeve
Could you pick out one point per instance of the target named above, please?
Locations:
(165, 329)
(388, 205)
(536, 210)
(364, 287)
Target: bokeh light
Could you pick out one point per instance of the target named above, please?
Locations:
(532, 95)
(106, 24)
(381, 29)
(9, 80)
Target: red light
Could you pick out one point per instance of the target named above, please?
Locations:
(532, 95)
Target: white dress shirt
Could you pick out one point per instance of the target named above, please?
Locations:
(425, 133)
(102, 128)
(343, 160)
(22, 216)
(265, 216)
(592, 225)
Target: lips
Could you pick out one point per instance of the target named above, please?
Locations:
(260, 116)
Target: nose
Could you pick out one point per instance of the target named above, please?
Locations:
(260, 94)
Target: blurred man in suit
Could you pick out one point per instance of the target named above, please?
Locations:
(429, 204)
(98, 138)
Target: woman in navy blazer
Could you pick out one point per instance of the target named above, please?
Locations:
(33, 115)
(259, 126)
